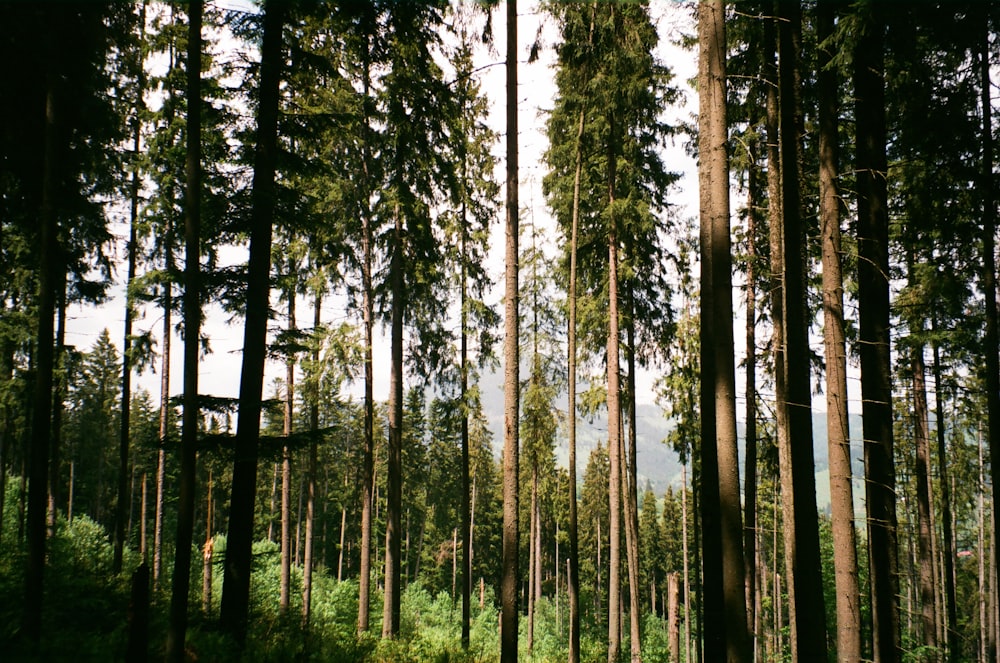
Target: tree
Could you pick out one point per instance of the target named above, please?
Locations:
(509, 564)
(799, 484)
(192, 328)
(725, 603)
(845, 558)
(873, 305)
(236, 581)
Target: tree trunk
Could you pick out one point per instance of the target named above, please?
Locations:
(510, 544)
(806, 582)
(164, 431)
(750, 459)
(123, 442)
(873, 305)
(615, 455)
(629, 493)
(921, 475)
(238, 564)
(41, 422)
(59, 386)
(673, 617)
(286, 470)
(466, 504)
(532, 554)
(573, 579)
(948, 554)
(845, 557)
(206, 554)
(394, 461)
(175, 651)
(991, 337)
(368, 462)
(726, 596)
(308, 560)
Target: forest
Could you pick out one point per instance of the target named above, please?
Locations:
(487, 402)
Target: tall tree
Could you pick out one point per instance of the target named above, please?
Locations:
(873, 305)
(799, 486)
(238, 565)
(725, 603)
(845, 556)
(991, 338)
(511, 548)
(192, 331)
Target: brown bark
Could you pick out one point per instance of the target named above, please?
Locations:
(286, 471)
(394, 459)
(615, 454)
(41, 423)
(192, 331)
(873, 305)
(921, 476)
(509, 570)
(845, 557)
(367, 306)
(312, 468)
(799, 485)
(725, 603)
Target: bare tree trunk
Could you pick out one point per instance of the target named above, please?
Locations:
(164, 431)
(367, 306)
(573, 574)
(615, 454)
(532, 557)
(629, 493)
(509, 572)
(49, 269)
(206, 573)
(286, 468)
(948, 549)
(873, 305)
(925, 547)
(845, 557)
(59, 385)
(142, 521)
(684, 552)
(394, 460)
(750, 458)
(126, 403)
(192, 331)
(727, 618)
(308, 560)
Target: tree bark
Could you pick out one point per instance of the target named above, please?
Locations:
(573, 579)
(806, 582)
(286, 471)
(394, 460)
(510, 544)
(948, 554)
(175, 650)
(126, 404)
(49, 269)
(615, 454)
(873, 305)
(845, 556)
(724, 543)
(238, 564)
(312, 469)
(368, 462)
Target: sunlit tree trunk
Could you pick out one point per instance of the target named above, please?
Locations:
(845, 559)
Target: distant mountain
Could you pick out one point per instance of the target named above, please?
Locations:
(658, 465)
